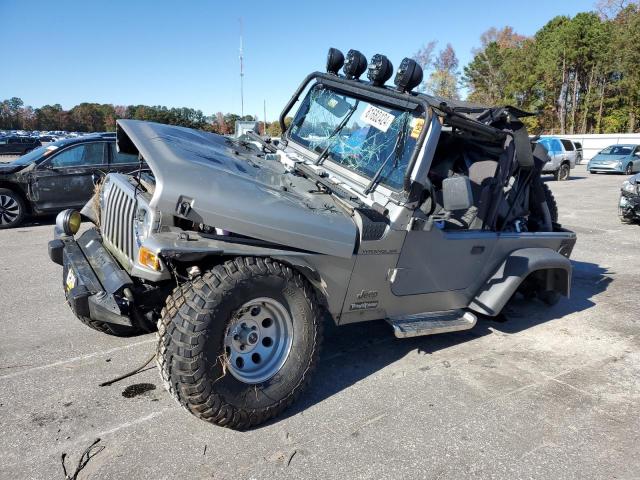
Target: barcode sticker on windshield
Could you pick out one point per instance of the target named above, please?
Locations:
(377, 118)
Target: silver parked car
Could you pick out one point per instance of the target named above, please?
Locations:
(562, 153)
(616, 158)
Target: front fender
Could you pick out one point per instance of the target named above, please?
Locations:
(497, 291)
(191, 247)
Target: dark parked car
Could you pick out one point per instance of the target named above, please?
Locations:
(57, 176)
(15, 145)
(579, 152)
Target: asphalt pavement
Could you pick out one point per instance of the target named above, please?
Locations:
(552, 393)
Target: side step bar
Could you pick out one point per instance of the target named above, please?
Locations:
(431, 323)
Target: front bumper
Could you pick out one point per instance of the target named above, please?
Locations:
(95, 284)
(603, 167)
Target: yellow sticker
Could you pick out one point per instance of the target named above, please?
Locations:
(417, 127)
(71, 280)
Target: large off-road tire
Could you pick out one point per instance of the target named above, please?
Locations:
(102, 327)
(550, 297)
(12, 208)
(551, 203)
(238, 345)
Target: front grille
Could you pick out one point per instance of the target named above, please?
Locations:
(118, 212)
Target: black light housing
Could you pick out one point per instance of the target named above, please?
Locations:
(335, 61)
(409, 75)
(380, 69)
(355, 64)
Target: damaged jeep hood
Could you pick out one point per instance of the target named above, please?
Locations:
(227, 186)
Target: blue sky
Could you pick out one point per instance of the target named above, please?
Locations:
(186, 53)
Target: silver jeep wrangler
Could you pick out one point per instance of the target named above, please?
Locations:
(377, 204)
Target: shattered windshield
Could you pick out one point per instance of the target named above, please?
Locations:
(357, 134)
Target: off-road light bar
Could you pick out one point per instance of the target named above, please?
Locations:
(380, 69)
(335, 61)
(354, 65)
(408, 76)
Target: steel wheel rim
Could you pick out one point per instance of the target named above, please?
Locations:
(258, 340)
(564, 172)
(9, 209)
(629, 169)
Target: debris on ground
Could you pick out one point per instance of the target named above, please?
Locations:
(90, 452)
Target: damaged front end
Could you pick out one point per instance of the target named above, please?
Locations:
(629, 203)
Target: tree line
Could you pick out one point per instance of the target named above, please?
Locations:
(96, 117)
(579, 75)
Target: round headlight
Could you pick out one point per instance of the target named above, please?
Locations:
(69, 221)
(142, 224)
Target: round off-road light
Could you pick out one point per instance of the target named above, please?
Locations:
(409, 75)
(68, 221)
(380, 69)
(335, 61)
(355, 64)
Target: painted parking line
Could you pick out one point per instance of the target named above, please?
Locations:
(76, 359)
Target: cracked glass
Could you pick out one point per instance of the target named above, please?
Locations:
(362, 136)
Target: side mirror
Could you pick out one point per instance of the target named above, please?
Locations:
(456, 193)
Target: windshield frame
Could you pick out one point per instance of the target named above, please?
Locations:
(408, 101)
(410, 104)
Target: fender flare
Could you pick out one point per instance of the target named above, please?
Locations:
(192, 247)
(497, 291)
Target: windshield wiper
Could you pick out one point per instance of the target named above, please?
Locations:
(337, 130)
(397, 150)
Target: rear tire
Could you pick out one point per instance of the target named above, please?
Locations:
(550, 297)
(629, 169)
(562, 173)
(551, 203)
(207, 326)
(12, 208)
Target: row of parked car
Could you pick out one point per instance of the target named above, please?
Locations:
(565, 154)
(19, 142)
(60, 175)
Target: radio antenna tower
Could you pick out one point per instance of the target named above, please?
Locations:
(241, 75)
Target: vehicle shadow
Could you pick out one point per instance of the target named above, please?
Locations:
(354, 352)
(570, 179)
(38, 221)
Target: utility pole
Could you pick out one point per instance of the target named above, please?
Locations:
(265, 117)
(241, 75)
